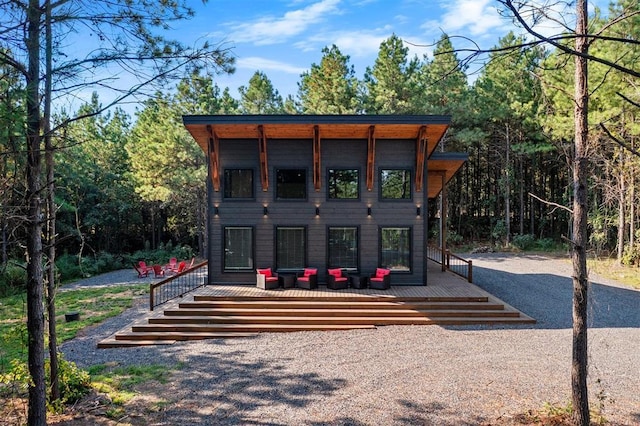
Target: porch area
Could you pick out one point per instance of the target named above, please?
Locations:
(213, 312)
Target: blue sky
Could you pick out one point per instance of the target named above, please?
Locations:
(283, 38)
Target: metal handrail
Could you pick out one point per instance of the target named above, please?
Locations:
(451, 262)
(178, 285)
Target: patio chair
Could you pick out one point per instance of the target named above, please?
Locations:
(158, 272)
(181, 267)
(308, 279)
(173, 263)
(266, 279)
(143, 266)
(381, 279)
(142, 273)
(336, 279)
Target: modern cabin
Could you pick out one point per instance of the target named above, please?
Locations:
(322, 191)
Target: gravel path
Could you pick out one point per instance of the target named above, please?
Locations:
(401, 375)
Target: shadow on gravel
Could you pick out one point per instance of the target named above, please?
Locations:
(548, 299)
(433, 413)
(228, 390)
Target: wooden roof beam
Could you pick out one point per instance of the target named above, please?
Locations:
(371, 157)
(317, 173)
(421, 150)
(214, 147)
(262, 148)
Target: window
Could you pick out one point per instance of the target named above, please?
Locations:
(395, 184)
(343, 247)
(291, 184)
(238, 248)
(343, 184)
(291, 247)
(238, 183)
(395, 249)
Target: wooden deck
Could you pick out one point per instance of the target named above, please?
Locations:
(237, 311)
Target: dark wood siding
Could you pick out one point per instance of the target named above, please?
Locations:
(334, 154)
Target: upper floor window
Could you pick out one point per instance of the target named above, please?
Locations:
(291, 184)
(395, 184)
(343, 184)
(238, 183)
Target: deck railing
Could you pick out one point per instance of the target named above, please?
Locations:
(178, 285)
(451, 262)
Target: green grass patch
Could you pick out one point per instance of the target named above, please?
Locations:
(120, 383)
(93, 305)
(609, 268)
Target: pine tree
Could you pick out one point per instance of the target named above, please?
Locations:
(330, 87)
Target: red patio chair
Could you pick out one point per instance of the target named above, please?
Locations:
(266, 279)
(381, 279)
(141, 272)
(173, 262)
(158, 271)
(336, 280)
(309, 279)
(143, 266)
(181, 267)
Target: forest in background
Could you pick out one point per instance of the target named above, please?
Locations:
(128, 183)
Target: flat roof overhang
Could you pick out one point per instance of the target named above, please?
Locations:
(329, 127)
(443, 164)
(430, 128)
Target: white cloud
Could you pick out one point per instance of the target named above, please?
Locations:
(264, 64)
(271, 30)
(476, 17)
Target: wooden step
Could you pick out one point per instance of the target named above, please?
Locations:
(158, 336)
(115, 343)
(335, 305)
(379, 318)
(170, 329)
(345, 298)
(210, 317)
(294, 315)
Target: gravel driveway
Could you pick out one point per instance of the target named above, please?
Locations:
(402, 375)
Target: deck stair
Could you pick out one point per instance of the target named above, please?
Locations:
(208, 317)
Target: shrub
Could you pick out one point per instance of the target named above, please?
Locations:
(631, 256)
(68, 267)
(74, 382)
(13, 280)
(523, 242)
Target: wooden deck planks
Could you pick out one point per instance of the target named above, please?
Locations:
(239, 311)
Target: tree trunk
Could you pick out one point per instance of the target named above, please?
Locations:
(579, 370)
(522, 183)
(37, 411)
(51, 218)
(621, 215)
(507, 189)
(632, 216)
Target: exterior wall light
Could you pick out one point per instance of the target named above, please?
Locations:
(418, 211)
(317, 211)
(216, 211)
(368, 211)
(265, 211)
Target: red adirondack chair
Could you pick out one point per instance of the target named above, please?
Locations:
(173, 262)
(181, 267)
(142, 273)
(143, 266)
(158, 271)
